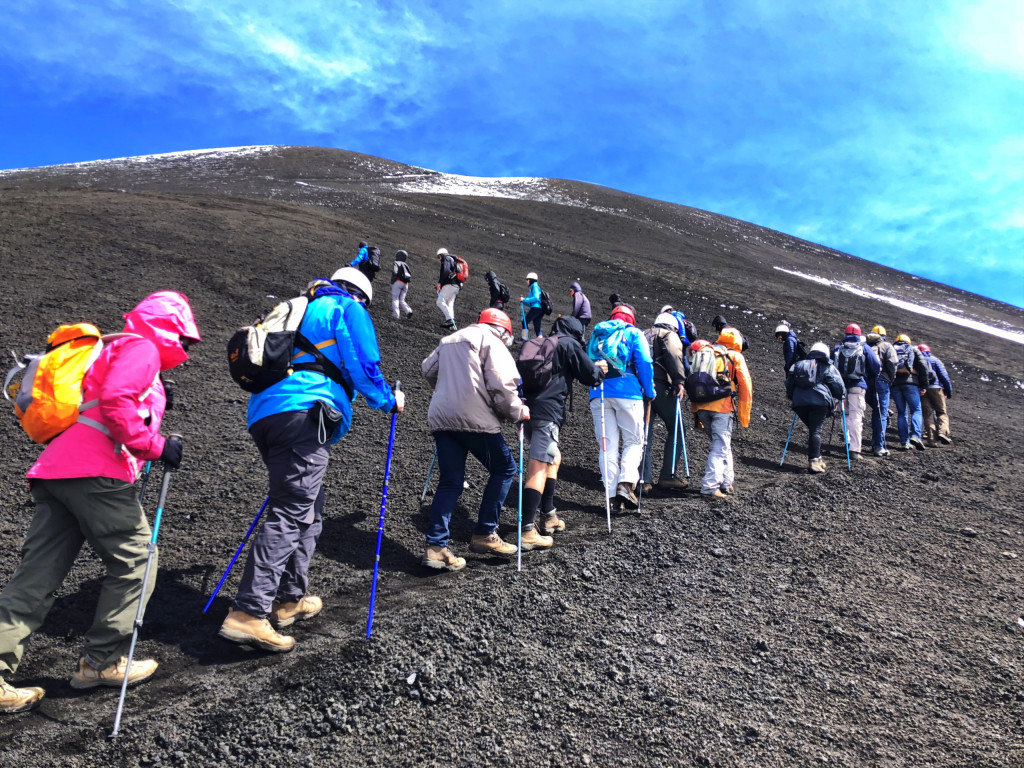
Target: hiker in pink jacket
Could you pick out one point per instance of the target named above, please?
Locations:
(83, 488)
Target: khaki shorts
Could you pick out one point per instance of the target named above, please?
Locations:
(543, 437)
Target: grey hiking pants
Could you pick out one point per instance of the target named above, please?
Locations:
(277, 567)
(99, 510)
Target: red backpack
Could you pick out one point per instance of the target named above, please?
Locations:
(461, 269)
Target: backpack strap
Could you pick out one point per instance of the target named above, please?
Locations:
(323, 364)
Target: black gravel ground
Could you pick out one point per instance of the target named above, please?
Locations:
(869, 617)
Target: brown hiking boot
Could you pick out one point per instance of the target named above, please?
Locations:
(19, 699)
(817, 466)
(491, 545)
(550, 523)
(239, 627)
(673, 484)
(717, 494)
(534, 540)
(285, 614)
(442, 559)
(88, 676)
(628, 499)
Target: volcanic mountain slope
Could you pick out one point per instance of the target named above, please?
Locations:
(867, 617)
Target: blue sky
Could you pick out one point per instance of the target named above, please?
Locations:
(892, 131)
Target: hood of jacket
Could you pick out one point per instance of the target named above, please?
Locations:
(569, 326)
(732, 339)
(576, 287)
(164, 318)
(491, 276)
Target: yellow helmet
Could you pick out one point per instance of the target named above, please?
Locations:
(904, 337)
(879, 329)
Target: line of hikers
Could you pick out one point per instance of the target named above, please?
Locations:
(304, 363)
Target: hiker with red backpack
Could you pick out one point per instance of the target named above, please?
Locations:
(475, 382)
(859, 368)
(548, 366)
(814, 387)
(617, 404)
(718, 376)
(82, 485)
(451, 276)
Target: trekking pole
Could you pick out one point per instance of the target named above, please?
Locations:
(519, 549)
(522, 311)
(846, 437)
(380, 523)
(145, 479)
(142, 595)
(682, 435)
(604, 465)
(786, 448)
(430, 473)
(238, 551)
(647, 426)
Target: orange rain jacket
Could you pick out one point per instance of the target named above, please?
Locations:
(732, 340)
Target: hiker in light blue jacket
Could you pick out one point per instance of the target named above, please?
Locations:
(534, 313)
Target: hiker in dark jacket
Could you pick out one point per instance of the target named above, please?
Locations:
(933, 406)
(499, 291)
(814, 386)
(364, 260)
(666, 341)
(448, 287)
(547, 415)
(878, 398)
(791, 345)
(908, 387)
(855, 402)
(401, 276)
(720, 324)
(580, 305)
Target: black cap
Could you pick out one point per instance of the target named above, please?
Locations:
(719, 322)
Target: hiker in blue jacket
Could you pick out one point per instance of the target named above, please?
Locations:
(623, 403)
(933, 404)
(857, 387)
(814, 386)
(534, 313)
(790, 345)
(294, 423)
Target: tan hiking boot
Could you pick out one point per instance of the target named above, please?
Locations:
(442, 559)
(625, 493)
(817, 466)
(240, 627)
(549, 523)
(88, 676)
(491, 545)
(673, 484)
(19, 699)
(534, 540)
(716, 494)
(285, 614)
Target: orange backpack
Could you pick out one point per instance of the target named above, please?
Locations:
(49, 397)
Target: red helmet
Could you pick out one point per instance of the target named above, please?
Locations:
(853, 328)
(496, 317)
(698, 345)
(625, 313)
(925, 348)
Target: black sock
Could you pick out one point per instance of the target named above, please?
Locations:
(547, 500)
(531, 502)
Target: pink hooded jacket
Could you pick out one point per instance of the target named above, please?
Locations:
(130, 401)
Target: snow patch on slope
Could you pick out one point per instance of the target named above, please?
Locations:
(939, 314)
(192, 154)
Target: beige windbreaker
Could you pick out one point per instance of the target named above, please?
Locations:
(474, 378)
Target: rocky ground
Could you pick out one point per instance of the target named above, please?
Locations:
(867, 617)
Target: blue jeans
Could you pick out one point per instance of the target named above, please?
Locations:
(534, 315)
(907, 398)
(879, 414)
(452, 449)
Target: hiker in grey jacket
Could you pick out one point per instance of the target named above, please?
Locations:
(666, 341)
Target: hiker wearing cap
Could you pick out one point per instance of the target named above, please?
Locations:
(907, 389)
(720, 324)
(666, 338)
(499, 291)
(475, 383)
(548, 368)
(814, 386)
(82, 485)
(859, 368)
(792, 348)
(294, 423)
(532, 302)
(630, 379)
(933, 404)
(448, 287)
(715, 416)
(878, 399)
(401, 276)
(580, 305)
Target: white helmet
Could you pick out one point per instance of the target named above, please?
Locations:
(442, 251)
(667, 308)
(668, 319)
(820, 347)
(356, 279)
(531, 276)
(783, 327)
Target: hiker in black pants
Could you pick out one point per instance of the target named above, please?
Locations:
(499, 291)
(666, 340)
(814, 386)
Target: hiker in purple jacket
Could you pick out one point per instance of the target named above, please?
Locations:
(580, 305)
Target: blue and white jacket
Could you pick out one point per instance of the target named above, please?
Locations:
(638, 380)
(342, 329)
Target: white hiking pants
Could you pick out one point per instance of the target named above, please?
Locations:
(623, 418)
(856, 404)
(398, 303)
(446, 301)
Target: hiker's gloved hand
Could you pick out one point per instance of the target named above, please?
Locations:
(171, 455)
(168, 394)
(399, 401)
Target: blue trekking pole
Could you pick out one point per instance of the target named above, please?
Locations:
(846, 436)
(142, 596)
(519, 551)
(237, 553)
(791, 425)
(522, 311)
(430, 474)
(380, 524)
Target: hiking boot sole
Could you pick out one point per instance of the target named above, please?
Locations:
(487, 551)
(84, 685)
(297, 617)
(440, 565)
(244, 638)
(27, 706)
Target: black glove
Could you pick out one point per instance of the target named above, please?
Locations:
(168, 392)
(171, 455)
